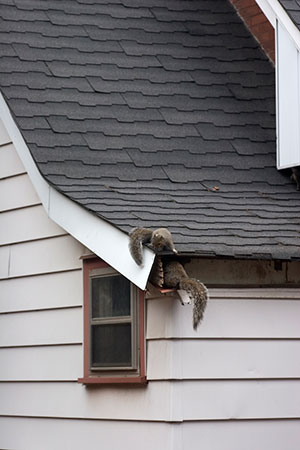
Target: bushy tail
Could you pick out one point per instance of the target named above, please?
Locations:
(199, 296)
(138, 237)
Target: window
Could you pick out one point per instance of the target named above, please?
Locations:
(113, 327)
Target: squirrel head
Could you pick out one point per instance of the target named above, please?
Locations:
(162, 240)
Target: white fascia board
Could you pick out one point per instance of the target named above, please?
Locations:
(268, 11)
(99, 236)
(273, 10)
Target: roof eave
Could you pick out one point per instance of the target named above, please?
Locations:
(273, 10)
(99, 236)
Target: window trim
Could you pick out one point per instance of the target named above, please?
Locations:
(94, 376)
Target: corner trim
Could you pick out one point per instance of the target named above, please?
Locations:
(99, 236)
(273, 10)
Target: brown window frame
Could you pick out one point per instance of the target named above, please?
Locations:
(90, 376)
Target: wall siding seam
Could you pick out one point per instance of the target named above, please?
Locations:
(34, 205)
(39, 274)
(103, 419)
(260, 295)
(46, 238)
(21, 174)
(218, 338)
(175, 381)
(26, 241)
(212, 298)
(70, 380)
(6, 143)
(6, 177)
(30, 205)
(57, 344)
(9, 261)
(54, 308)
(213, 379)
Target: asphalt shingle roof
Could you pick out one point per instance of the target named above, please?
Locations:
(292, 7)
(155, 113)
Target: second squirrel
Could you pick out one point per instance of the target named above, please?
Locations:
(176, 277)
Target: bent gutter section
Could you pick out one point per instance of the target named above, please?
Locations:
(102, 238)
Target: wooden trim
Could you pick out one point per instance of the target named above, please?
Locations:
(90, 256)
(88, 378)
(86, 324)
(113, 380)
(142, 343)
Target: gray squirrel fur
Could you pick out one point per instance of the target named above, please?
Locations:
(296, 176)
(160, 239)
(173, 274)
(176, 277)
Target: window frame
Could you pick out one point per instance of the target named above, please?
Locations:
(133, 375)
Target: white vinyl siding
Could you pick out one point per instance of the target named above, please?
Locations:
(41, 292)
(33, 224)
(19, 192)
(234, 384)
(288, 100)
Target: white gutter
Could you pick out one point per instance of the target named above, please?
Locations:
(102, 238)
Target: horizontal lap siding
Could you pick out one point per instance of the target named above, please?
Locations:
(58, 326)
(240, 364)
(223, 359)
(239, 435)
(43, 256)
(40, 293)
(225, 318)
(41, 363)
(49, 434)
(10, 163)
(4, 137)
(51, 290)
(160, 401)
(55, 434)
(33, 224)
(76, 401)
(19, 193)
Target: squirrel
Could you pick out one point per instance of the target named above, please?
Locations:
(176, 277)
(172, 275)
(160, 239)
(296, 176)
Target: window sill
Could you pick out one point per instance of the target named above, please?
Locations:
(113, 380)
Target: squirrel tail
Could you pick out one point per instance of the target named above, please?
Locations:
(138, 237)
(199, 295)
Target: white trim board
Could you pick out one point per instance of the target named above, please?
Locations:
(99, 236)
(273, 10)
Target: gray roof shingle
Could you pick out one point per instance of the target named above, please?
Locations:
(157, 113)
(292, 7)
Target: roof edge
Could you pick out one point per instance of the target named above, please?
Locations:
(273, 10)
(99, 236)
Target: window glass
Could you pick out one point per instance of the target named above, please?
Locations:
(111, 345)
(110, 296)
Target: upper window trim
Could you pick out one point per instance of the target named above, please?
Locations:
(134, 375)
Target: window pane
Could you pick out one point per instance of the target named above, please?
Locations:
(111, 345)
(110, 296)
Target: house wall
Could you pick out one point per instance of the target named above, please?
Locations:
(233, 384)
(258, 24)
